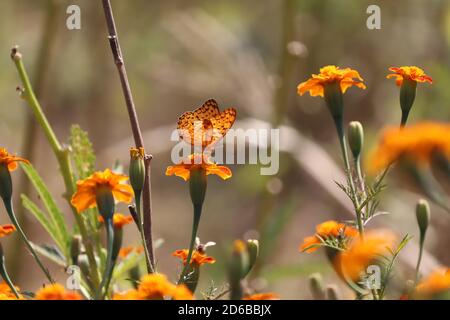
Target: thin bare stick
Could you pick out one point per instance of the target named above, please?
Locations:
(139, 141)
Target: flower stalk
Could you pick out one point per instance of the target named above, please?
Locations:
(197, 188)
(6, 190)
(139, 141)
(4, 273)
(61, 153)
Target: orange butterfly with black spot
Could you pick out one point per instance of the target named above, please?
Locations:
(206, 124)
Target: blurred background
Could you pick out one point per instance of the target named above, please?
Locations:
(247, 54)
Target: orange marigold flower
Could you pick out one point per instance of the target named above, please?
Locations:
(56, 292)
(125, 251)
(194, 162)
(410, 73)
(325, 230)
(181, 292)
(10, 160)
(85, 197)
(128, 295)
(155, 286)
(436, 283)
(330, 74)
(417, 143)
(199, 258)
(263, 296)
(6, 229)
(361, 252)
(7, 294)
(119, 220)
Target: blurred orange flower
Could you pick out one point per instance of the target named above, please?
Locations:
(417, 143)
(437, 282)
(56, 292)
(411, 73)
(330, 74)
(125, 251)
(7, 294)
(326, 230)
(361, 252)
(10, 160)
(197, 257)
(119, 220)
(194, 162)
(85, 197)
(155, 287)
(263, 296)
(6, 229)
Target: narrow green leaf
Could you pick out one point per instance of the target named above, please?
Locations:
(43, 220)
(50, 253)
(55, 214)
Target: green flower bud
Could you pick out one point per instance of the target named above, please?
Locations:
(333, 292)
(5, 183)
(137, 169)
(407, 97)
(355, 138)
(192, 277)
(253, 251)
(117, 242)
(316, 286)
(237, 267)
(423, 215)
(75, 248)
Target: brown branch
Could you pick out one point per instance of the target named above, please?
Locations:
(139, 141)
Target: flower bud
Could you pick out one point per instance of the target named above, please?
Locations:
(137, 169)
(75, 248)
(333, 292)
(355, 138)
(237, 268)
(117, 242)
(5, 183)
(253, 251)
(407, 97)
(316, 286)
(423, 215)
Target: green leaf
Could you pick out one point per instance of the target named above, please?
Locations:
(43, 220)
(50, 252)
(82, 152)
(55, 214)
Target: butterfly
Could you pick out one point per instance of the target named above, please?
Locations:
(206, 124)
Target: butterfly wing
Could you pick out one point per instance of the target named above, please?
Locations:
(191, 120)
(222, 123)
(206, 123)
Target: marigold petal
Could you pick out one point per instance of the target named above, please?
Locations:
(222, 171)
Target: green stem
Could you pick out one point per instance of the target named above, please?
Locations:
(104, 285)
(340, 130)
(62, 155)
(10, 210)
(196, 222)
(419, 259)
(5, 275)
(148, 262)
